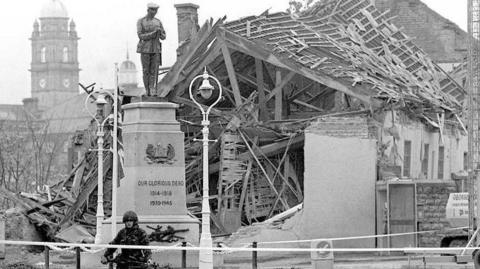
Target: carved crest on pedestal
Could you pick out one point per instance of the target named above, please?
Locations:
(160, 154)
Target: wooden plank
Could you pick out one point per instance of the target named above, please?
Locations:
(37, 207)
(251, 210)
(285, 159)
(46, 205)
(212, 53)
(274, 148)
(87, 188)
(245, 179)
(292, 174)
(199, 41)
(14, 198)
(216, 220)
(273, 166)
(321, 93)
(301, 91)
(188, 102)
(256, 50)
(270, 183)
(61, 183)
(223, 86)
(282, 190)
(77, 179)
(278, 93)
(279, 84)
(28, 204)
(262, 103)
(298, 102)
(231, 72)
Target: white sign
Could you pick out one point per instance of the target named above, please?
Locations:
(324, 251)
(457, 209)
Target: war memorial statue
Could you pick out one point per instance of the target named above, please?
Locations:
(150, 31)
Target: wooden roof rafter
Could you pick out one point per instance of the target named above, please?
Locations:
(375, 28)
(351, 48)
(257, 50)
(198, 45)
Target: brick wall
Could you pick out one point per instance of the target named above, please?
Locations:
(354, 126)
(432, 199)
(443, 40)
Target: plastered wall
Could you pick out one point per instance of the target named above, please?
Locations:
(339, 188)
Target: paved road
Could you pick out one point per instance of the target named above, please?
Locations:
(287, 262)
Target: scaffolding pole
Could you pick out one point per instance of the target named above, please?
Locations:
(473, 114)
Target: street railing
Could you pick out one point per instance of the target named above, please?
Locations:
(222, 249)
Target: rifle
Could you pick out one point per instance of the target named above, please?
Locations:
(167, 235)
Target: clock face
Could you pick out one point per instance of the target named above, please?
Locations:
(66, 83)
(42, 82)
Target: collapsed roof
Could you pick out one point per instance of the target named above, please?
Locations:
(345, 45)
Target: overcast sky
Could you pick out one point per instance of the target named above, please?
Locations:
(107, 26)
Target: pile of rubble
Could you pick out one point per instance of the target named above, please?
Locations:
(68, 203)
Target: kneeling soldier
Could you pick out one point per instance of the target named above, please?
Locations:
(130, 235)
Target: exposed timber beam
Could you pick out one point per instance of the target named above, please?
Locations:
(267, 177)
(230, 70)
(212, 53)
(278, 93)
(227, 89)
(279, 84)
(320, 94)
(296, 101)
(301, 91)
(262, 103)
(256, 50)
(274, 148)
(173, 76)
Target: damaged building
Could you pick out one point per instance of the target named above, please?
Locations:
(333, 115)
(328, 107)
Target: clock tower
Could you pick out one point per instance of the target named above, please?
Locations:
(54, 67)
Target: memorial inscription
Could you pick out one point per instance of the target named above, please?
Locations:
(160, 193)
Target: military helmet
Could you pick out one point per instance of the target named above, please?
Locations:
(130, 216)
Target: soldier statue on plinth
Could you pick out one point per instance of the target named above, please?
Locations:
(150, 31)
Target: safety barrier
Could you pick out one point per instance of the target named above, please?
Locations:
(221, 249)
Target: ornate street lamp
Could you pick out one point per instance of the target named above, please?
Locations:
(205, 91)
(100, 101)
(115, 155)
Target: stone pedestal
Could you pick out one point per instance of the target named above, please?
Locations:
(154, 183)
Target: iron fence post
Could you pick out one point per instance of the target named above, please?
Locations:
(47, 257)
(77, 251)
(254, 256)
(184, 255)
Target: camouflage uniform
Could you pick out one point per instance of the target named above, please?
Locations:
(130, 258)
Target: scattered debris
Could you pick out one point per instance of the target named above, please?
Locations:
(279, 72)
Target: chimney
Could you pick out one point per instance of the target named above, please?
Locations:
(31, 105)
(187, 20)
